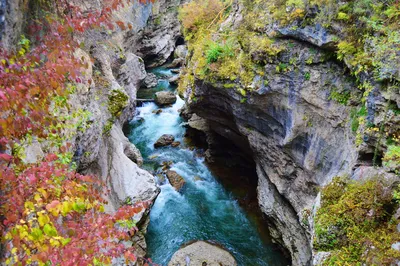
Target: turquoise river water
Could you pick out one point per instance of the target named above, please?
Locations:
(203, 209)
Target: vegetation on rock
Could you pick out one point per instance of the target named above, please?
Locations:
(117, 101)
(50, 214)
(356, 222)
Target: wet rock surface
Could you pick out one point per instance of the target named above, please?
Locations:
(164, 140)
(150, 81)
(163, 98)
(175, 179)
(202, 253)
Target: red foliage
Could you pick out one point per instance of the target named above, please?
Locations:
(48, 211)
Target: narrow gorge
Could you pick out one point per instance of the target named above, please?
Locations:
(204, 132)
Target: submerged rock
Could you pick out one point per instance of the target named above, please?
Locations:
(175, 179)
(166, 165)
(202, 253)
(164, 140)
(197, 178)
(175, 144)
(157, 112)
(163, 98)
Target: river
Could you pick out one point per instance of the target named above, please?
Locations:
(203, 209)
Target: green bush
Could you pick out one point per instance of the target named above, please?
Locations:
(216, 51)
(213, 53)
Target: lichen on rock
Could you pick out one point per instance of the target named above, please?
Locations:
(117, 101)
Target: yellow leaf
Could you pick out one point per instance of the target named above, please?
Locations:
(44, 192)
(54, 243)
(66, 208)
(43, 219)
(37, 197)
(29, 205)
(55, 212)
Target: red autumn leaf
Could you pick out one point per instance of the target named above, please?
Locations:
(129, 256)
(5, 157)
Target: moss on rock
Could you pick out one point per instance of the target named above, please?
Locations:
(117, 101)
(356, 224)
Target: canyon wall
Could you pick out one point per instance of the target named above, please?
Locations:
(300, 132)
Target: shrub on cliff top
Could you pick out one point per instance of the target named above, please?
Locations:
(355, 223)
(198, 13)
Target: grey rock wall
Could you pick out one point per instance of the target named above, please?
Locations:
(299, 138)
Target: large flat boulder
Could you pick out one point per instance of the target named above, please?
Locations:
(163, 98)
(164, 140)
(202, 253)
(175, 179)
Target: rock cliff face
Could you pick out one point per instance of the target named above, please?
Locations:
(297, 133)
(162, 33)
(299, 140)
(11, 21)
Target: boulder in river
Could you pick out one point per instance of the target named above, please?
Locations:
(150, 81)
(164, 140)
(175, 179)
(163, 98)
(202, 253)
(174, 79)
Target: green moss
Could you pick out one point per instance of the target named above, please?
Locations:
(242, 92)
(229, 85)
(355, 117)
(370, 29)
(107, 127)
(117, 101)
(340, 97)
(216, 51)
(157, 21)
(353, 218)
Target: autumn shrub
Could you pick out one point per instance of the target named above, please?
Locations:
(198, 13)
(355, 222)
(50, 214)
